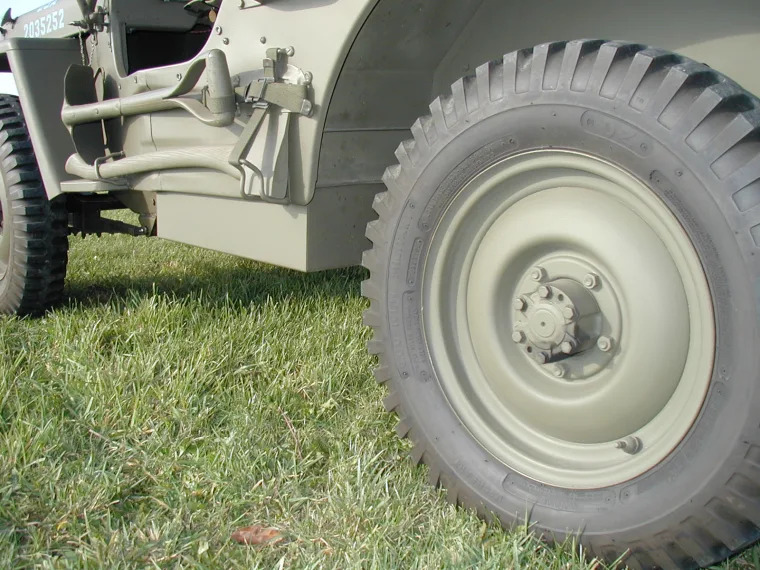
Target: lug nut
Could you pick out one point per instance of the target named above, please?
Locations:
(519, 304)
(518, 337)
(542, 357)
(537, 274)
(566, 347)
(604, 343)
(544, 291)
(630, 445)
(568, 313)
(559, 371)
(590, 281)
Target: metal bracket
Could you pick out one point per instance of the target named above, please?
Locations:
(261, 153)
(93, 17)
(252, 182)
(264, 140)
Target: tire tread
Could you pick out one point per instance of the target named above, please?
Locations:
(39, 226)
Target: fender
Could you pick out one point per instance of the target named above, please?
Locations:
(38, 66)
(407, 53)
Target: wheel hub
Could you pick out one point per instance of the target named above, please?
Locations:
(556, 320)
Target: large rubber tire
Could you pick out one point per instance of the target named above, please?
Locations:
(684, 139)
(33, 229)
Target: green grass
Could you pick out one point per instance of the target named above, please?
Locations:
(178, 394)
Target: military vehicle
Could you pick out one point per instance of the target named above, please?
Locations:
(563, 246)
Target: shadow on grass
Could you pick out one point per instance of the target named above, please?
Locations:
(241, 283)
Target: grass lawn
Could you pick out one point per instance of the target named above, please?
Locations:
(179, 394)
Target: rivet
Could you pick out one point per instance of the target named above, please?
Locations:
(518, 337)
(590, 281)
(544, 291)
(307, 77)
(604, 343)
(519, 304)
(558, 370)
(218, 30)
(537, 273)
(226, 41)
(263, 39)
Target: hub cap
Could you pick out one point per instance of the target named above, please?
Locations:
(568, 319)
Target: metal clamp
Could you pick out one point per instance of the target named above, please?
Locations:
(99, 162)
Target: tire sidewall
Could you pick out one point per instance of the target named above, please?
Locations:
(719, 439)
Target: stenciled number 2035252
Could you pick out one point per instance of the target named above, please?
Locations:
(44, 25)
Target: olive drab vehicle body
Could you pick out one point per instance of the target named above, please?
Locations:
(558, 204)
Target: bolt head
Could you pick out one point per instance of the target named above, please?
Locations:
(566, 347)
(518, 337)
(544, 291)
(519, 304)
(568, 313)
(537, 273)
(559, 371)
(542, 357)
(604, 343)
(590, 281)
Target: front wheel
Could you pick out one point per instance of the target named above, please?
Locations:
(563, 288)
(33, 229)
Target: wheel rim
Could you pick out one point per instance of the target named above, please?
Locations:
(5, 238)
(568, 319)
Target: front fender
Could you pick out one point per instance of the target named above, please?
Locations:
(38, 66)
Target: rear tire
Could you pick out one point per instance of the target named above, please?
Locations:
(33, 229)
(635, 166)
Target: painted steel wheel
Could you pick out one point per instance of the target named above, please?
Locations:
(563, 289)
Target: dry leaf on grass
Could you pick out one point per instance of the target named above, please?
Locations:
(257, 535)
